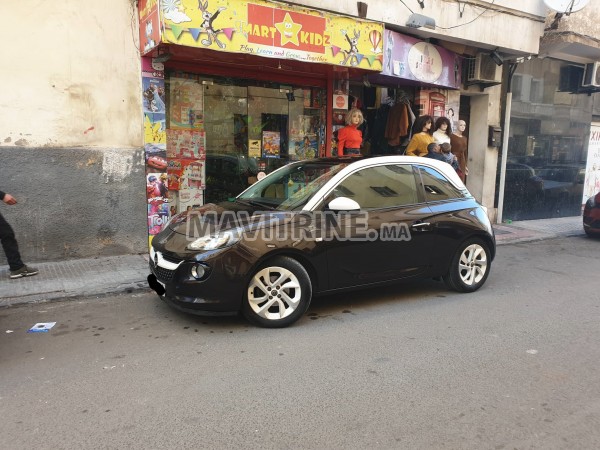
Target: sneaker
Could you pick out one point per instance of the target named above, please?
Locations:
(24, 271)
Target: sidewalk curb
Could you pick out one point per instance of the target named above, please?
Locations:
(77, 279)
(55, 296)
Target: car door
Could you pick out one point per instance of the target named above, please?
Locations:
(453, 214)
(389, 238)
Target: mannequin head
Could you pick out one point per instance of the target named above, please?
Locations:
(443, 124)
(462, 126)
(354, 117)
(423, 124)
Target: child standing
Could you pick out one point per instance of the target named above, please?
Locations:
(449, 157)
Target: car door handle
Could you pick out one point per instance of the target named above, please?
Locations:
(420, 225)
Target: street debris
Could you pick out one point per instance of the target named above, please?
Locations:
(42, 327)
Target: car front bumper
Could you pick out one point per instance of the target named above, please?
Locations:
(216, 294)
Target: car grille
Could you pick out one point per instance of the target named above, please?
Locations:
(163, 274)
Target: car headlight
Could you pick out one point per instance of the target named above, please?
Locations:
(215, 241)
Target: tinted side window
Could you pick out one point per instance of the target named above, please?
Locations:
(437, 187)
(380, 187)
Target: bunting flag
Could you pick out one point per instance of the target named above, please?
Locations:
(195, 32)
(373, 58)
(228, 32)
(359, 57)
(176, 31)
(335, 49)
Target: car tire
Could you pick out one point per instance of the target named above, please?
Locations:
(470, 266)
(278, 294)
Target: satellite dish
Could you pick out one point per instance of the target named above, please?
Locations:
(566, 6)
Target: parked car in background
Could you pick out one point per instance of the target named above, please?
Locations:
(591, 216)
(562, 187)
(522, 184)
(319, 226)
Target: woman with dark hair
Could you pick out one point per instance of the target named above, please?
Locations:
(422, 136)
(443, 130)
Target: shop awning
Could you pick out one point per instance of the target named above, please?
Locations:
(266, 29)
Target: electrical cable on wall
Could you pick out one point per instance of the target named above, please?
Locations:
(411, 11)
(467, 23)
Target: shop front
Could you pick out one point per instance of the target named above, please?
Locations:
(235, 89)
(418, 78)
(552, 157)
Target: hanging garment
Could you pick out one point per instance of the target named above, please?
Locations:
(397, 124)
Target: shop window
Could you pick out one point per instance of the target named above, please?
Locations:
(243, 127)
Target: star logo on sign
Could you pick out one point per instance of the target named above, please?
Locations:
(288, 30)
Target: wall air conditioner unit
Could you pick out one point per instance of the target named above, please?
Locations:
(483, 68)
(591, 77)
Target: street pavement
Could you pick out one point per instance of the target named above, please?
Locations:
(101, 276)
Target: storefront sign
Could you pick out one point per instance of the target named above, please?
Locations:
(340, 101)
(411, 59)
(273, 30)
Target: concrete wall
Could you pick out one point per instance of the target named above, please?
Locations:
(482, 163)
(75, 202)
(483, 23)
(71, 129)
(583, 22)
(574, 37)
(70, 74)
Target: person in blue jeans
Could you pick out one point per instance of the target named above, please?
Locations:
(9, 243)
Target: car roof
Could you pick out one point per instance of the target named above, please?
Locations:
(357, 162)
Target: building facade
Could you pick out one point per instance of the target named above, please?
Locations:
(552, 154)
(70, 129)
(88, 123)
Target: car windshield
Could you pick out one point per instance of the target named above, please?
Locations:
(292, 186)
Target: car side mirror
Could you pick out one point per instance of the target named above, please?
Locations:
(343, 204)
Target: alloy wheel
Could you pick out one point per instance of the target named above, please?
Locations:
(472, 265)
(274, 293)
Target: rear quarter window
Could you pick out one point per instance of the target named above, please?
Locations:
(437, 187)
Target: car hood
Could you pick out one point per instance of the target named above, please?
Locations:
(213, 218)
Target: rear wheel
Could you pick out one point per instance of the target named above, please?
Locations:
(278, 293)
(470, 266)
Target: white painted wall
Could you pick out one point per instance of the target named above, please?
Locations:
(524, 19)
(70, 74)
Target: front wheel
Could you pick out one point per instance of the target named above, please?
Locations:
(278, 293)
(470, 266)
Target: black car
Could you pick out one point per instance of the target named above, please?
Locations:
(318, 226)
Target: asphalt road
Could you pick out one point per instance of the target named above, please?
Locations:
(512, 366)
